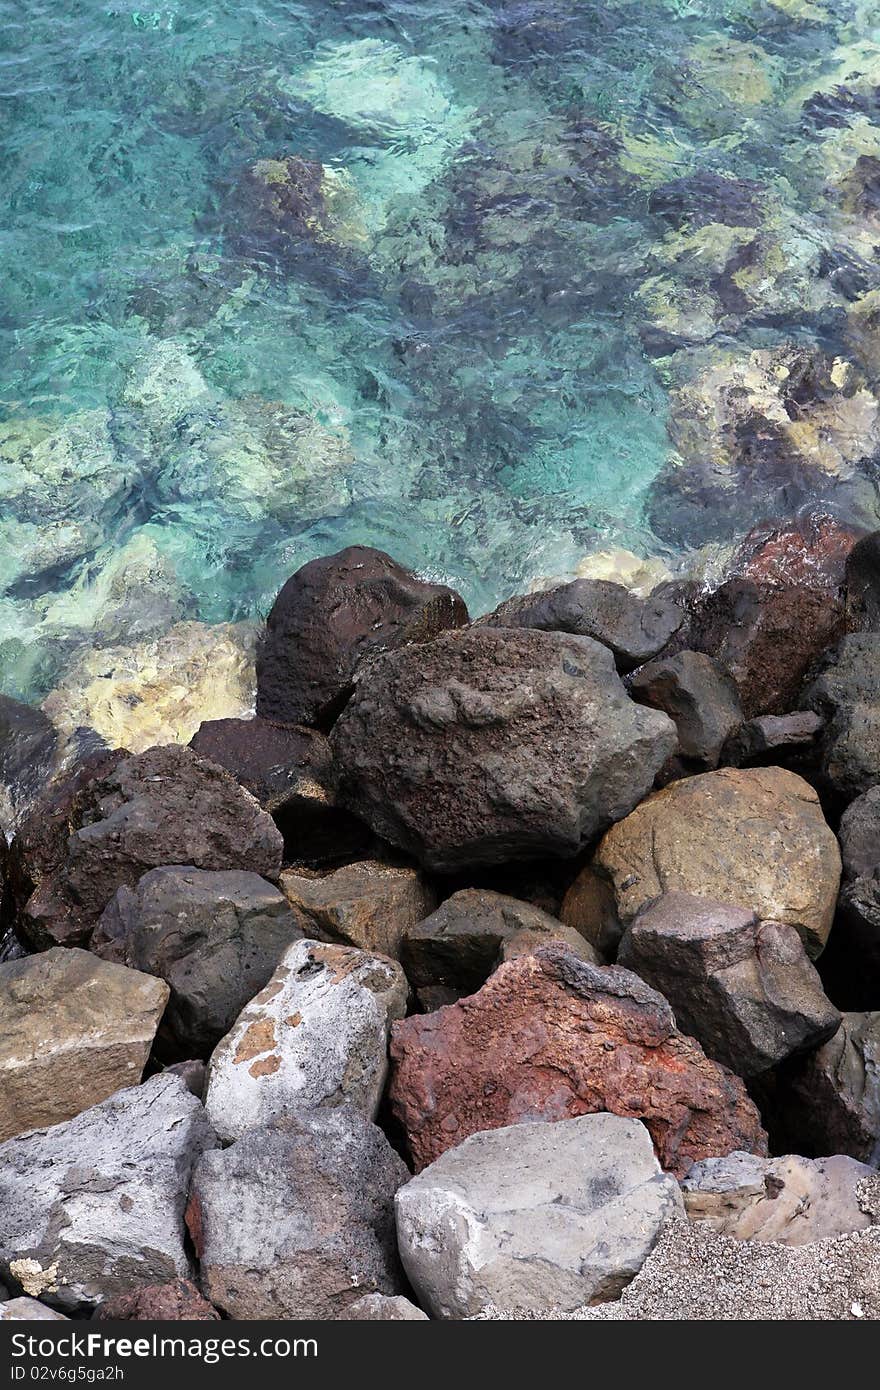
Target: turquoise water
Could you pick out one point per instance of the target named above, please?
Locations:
(495, 342)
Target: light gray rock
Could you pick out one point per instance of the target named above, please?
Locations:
(73, 1029)
(29, 1310)
(214, 935)
(490, 745)
(381, 1307)
(317, 1035)
(791, 1200)
(534, 1216)
(95, 1206)
(745, 989)
(298, 1221)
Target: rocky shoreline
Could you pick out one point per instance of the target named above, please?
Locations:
(477, 969)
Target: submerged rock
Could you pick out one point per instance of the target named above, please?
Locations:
(535, 1216)
(495, 744)
(550, 1037)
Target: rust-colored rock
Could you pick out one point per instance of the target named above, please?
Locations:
(176, 1301)
(550, 1037)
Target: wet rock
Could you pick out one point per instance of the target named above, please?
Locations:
(73, 1030)
(700, 698)
(863, 585)
(491, 745)
(772, 737)
(161, 690)
(370, 905)
(318, 1196)
(94, 1207)
(635, 629)
(831, 1098)
(331, 615)
(119, 816)
(534, 1216)
(705, 197)
(549, 1037)
(316, 1036)
(215, 937)
(459, 945)
(289, 769)
(859, 836)
(743, 988)
(755, 838)
(846, 694)
(177, 1301)
(381, 1307)
(791, 1200)
(28, 742)
(281, 207)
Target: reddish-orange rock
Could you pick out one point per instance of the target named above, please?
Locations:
(550, 1037)
(176, 1301)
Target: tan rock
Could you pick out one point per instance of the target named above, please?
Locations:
(751, 837)
(160, 691)
(370, 905)
(73, 1029)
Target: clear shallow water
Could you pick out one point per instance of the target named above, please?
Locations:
(496, 341)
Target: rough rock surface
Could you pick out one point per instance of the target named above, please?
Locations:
(119, 816)
(28, 1310)
(94, 1207)
(745, 989)
(695, 1274)
(28, 741)
(831, 1097)
(490, 745)
(73, 1030)
(859, 836)
(847, 696)
(549, 1037)
(370, 905)
(177, 1301)
(863, 585)
(700, 698)
(851, 961)
(383, 1307)
(635, 629)
(791, 1200)
(535, 1216)
(214, 935)
(459, 945)
(753, 837)
(317, 1035)
(772, 737)
(298, 1221)
(329, 616)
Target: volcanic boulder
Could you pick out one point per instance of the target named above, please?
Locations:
(330, 616)
(551, 1037)
(495, 744)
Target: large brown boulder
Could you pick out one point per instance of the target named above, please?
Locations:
(549, 1037)
(73, 1029)
(368, 904)
(121, 815)
(496, 744)
(751, 837)
(744, 988)
(329, 616)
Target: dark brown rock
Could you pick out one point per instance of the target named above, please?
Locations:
(331, 615)
(745, 989)
(177, 1301)
(120, 815)
(634, 628)
(863, 585)
(773, 737)
(495, 744)
(459, 945)
(549, 1037)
